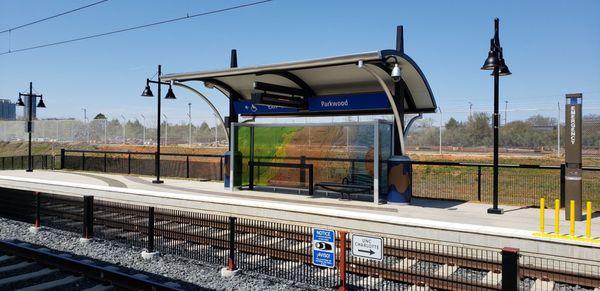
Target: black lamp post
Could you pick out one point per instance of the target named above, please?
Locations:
(30, 101)
(170, 95)
(495, 62)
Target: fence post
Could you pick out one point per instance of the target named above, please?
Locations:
(62, 158)
(105, 161)
(88, 217)
(562, 185)
(150, 229)
(510, 268)
(302, 170)
(231, 259)
(38, 221)
(250, 175)
(479, 183)
(342, 255)
(187, 166)
(12, 162)
(311, 187)
(353, 172)
(221, 169)
(83, 161)
(129, 163)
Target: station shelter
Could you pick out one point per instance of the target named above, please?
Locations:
(380, 83)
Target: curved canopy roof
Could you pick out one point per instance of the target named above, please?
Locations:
(321, 77)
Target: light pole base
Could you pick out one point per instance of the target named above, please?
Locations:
(29, 170)
(158, 181)
(495, 211)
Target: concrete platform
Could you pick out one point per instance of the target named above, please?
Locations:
(430, 220)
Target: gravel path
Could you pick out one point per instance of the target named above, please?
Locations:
(178, 268)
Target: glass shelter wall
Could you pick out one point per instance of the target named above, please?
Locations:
(338, 152)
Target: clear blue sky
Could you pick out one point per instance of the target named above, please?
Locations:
(552, 47)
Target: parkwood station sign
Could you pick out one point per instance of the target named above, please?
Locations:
(345, 102)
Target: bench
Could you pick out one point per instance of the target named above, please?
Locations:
(355, 184)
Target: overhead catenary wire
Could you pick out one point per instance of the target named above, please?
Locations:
(53, 16)
(187, 16)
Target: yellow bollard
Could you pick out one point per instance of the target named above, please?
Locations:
(588, 220)
(556, 216)
(572, 218)
(542, 218)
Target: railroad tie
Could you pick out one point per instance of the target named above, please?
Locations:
(493, 278)
(52, 284)
(28, 276)
(16, 266)
(6, 258)
(370, 282)
(540, 285)
(100, 287)
(446, 270)
(288, 265)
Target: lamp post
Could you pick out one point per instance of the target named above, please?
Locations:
(495, 62)
(170, 95)
(30, 100)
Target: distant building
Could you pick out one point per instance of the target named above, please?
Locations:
(8, 110)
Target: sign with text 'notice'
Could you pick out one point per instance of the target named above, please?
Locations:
(323, 247)
(367, 247)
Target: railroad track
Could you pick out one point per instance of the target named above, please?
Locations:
(26, 267)
(412, 264)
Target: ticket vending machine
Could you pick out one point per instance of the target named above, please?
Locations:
(573, 155)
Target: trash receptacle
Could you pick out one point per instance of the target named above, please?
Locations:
(237, 175)
(399, 188)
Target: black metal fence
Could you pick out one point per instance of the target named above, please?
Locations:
(198, 166)
(44, 162)
(518, 184)
(284, 250)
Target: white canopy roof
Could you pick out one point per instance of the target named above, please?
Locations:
(326, 76)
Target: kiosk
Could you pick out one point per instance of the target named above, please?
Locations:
(385, 82)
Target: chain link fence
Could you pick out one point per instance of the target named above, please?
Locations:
(104, 131)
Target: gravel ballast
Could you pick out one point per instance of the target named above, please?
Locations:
(178, 268)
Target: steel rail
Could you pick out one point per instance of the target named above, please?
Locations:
(91, 271)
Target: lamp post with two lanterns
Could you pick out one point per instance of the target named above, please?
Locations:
(30, 101)
(495, 62)
(170, 95)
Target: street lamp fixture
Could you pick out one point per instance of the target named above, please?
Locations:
(30, 101)
(495, 62)
(170, 95)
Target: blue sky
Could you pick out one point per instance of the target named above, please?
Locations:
(551, 47)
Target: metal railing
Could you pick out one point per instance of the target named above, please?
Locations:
(520, 184)
(200, 166)
(284, 250)
(44, 162)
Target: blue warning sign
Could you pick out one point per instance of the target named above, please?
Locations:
(323, 248)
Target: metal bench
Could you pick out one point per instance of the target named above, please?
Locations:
(355, 184)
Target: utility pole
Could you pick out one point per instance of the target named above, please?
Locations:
(124, 122)
(216, 130)
(85, 125)
(441, 118)
(505, 111)
(470, 110)
(144, 129)
(190, 124)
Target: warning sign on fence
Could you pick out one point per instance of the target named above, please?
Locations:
(323, 248)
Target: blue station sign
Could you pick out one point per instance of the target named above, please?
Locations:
(354, 102)
(323, 248)
(326, 103)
